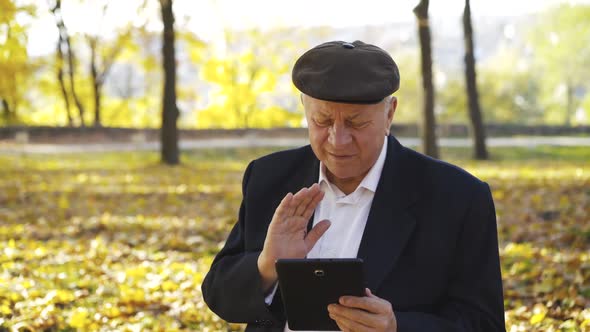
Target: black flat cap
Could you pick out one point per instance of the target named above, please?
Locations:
(355, 73)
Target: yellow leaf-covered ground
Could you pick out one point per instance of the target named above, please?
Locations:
(115, 241)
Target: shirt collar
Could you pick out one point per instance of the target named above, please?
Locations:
(371, 180)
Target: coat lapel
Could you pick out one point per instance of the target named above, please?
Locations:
(309, 178)
(389, 224)
(307, 174)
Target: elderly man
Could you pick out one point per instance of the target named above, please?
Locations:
(426, 230)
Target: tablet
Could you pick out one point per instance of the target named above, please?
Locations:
(308, 285)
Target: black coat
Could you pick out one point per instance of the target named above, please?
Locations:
(430, 244)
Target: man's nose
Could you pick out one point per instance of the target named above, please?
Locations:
(339, 134)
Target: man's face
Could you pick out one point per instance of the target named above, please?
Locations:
(347, 138)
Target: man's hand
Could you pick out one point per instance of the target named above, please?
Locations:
(287, 235)
(368, 313)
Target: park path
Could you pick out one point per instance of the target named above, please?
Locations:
(532, 141)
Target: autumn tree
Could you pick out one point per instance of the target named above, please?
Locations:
(409, 92)
(244, 81)
(59, 67)
(102, 57)
(509, 83)
(129, 60)
(475, 116)
(560, 41)
(428, 121)
(16, 69)
(169, 131)
(64, 49)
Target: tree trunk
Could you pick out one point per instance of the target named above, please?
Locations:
(96, 82)
(569, 106)
(428, 121)
(73, 83)
(98, 75)
(97, 105)
(64, 40)
(60, 71)
(169, 132)
(64, 93)
(7, 113)
(475, 116)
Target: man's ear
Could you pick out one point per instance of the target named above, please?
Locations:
(391, 111)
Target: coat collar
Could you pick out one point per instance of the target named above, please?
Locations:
(309, 172)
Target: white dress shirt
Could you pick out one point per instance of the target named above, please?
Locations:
(347, 214)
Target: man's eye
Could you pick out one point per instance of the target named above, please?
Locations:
(322, 122)
(358, 125)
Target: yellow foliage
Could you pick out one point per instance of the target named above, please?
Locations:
(59, 296)
(63, 202)
(132, 295)
(169, 286)
(242, 81)
(79, 318)
(111, 311)
(16, 70)
(539, 312)
(5, 309)
(132, 247)
(223, 117)
(7, 11)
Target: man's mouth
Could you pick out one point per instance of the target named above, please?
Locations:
(340, 155)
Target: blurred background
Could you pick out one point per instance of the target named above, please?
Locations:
(234, 59)
(99, 98)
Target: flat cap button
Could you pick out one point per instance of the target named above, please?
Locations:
(347, 45)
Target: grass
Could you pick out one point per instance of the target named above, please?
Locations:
(117, 241)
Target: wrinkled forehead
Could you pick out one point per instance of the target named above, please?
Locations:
(318, 106)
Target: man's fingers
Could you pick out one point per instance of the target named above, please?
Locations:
(360, 316)
(316, 232)
(370, 294)
(302, 198)
(373, 296)
(289, 203)
(299, 204)
(310, 208)
(342, 323)
(372, 304)
(284, 209)
(346, 324)
(302, 204)
(306, 198)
